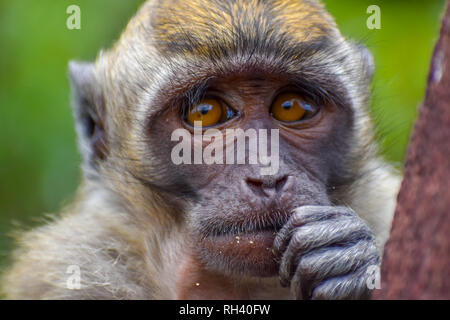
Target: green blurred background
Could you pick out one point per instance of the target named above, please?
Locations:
(39, 163)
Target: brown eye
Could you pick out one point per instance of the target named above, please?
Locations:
(209, 112)
(290, 107)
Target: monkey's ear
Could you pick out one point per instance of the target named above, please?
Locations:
(89, 112)
(367, 60)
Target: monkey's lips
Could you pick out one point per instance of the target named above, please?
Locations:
(242, 241)
(247, 252)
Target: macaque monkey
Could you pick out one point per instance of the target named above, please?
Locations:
(144, 226)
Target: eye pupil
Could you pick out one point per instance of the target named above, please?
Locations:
(287, 105)
(204, 109)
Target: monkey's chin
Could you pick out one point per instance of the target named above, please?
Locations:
(247, 254)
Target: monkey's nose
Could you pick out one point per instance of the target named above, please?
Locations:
(266, 187)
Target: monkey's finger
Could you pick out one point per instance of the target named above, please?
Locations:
(350, 286)
(305, 215)
(318, 265)
(320, 234)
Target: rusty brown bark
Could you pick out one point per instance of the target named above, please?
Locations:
(416, 263)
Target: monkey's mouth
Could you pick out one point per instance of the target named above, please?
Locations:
(255, 238)
(236, 229)
(249, 236)
(244, 245)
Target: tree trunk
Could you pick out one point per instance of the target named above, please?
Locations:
(416, 262)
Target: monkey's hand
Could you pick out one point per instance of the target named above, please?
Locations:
(324, 253)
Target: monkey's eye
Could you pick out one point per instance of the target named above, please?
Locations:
(291, 107)
(209, 112)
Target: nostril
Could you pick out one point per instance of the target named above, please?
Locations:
(280, 183)
(255, 186)
(254, 182)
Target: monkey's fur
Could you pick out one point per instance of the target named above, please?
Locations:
(130, 229)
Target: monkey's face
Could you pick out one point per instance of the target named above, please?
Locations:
(238, 208)
(255, 68)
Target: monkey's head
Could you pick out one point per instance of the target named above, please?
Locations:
(243, 64)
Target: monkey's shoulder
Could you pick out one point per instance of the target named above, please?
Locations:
(77, 256)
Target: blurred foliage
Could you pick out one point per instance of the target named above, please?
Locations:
(39, 163)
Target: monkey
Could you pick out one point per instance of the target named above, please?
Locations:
(144, 227)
